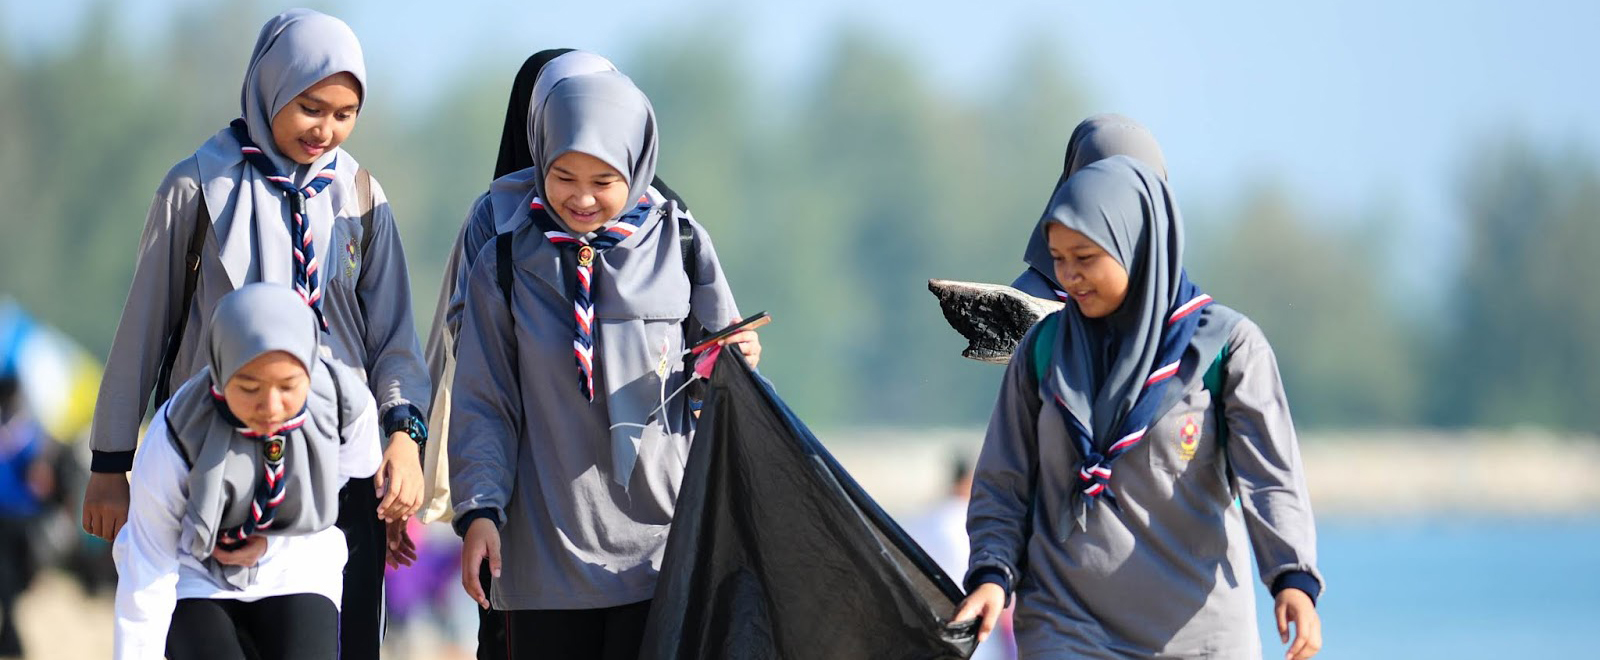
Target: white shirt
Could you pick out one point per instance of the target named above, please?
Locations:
(152, 573)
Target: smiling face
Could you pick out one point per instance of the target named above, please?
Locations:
(584, 191)
(268, 391)
(317, 120)
(1094, 279)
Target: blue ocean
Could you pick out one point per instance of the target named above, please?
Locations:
(1468, 587)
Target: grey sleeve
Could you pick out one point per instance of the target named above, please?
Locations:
(1006, 476)
(1265, 458)
(396, 372)
(486, 415)
(477, 232)
(148, 317)
(710, 297)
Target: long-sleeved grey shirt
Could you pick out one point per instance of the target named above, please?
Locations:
(366, 300)
(479, 229)
(527, 446)
(1164, 575)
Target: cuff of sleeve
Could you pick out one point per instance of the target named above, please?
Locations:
(397, 418)
(1298, 580)
(110, 461)
(989, 575)
(461, 523)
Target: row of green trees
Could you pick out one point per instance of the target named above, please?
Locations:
(831, 205)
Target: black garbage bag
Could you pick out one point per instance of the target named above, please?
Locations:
(776, 552)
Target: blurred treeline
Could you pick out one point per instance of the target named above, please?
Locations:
(833, 203)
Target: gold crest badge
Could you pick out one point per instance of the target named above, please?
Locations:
(1189, 439)
(274, 449)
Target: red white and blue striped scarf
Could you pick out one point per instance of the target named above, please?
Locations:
(587, 252)
(1094, 472)
(271, 487)
(306, 263)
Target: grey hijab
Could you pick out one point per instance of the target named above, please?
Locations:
(511, 191)
(295, 50)
(225, 465)
(1100, 365)
(1096, 138)
(603, 115)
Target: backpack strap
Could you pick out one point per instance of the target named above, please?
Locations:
(688, 249)
(177, 444)
(1213, 384)
(191, 279)
(338, 397)
(687, 244)
(1041, 351)
(364, 196)
(502, 263)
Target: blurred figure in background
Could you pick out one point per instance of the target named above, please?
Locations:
(941, 530)
(27, 481)
(428, 616)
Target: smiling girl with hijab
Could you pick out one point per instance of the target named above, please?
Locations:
(273, 197)
(514, 173)
(513, 181)
(1096, 138)
(568, 440)
(1105, 492)
(251, 451)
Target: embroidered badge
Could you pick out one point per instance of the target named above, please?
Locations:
(274, 449)
(1189, 440)
(352, 259)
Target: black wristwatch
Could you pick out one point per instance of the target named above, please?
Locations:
(407, 419)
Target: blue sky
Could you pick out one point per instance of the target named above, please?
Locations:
(1360, 106)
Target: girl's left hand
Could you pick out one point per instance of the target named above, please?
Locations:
(749, 343)
(399, 479)
(402, 549)
(247, 555)
(1294, 606)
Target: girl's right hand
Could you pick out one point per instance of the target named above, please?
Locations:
(482, 541)
(984, 603)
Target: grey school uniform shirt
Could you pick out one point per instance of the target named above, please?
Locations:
(526, 444)
(1167, 574)
(366, 299)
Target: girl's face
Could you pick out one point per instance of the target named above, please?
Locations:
(317, 120)
(585, 191)
(1087, 272)
(268, 391)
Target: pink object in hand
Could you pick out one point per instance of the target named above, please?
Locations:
(706, 361)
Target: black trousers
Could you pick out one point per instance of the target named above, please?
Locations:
(612, 633)
(299, 626)
(361, 613)
(491, 624)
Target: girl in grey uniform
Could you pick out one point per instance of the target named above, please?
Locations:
(1127, 425)
(514, 180)
(248, 455)
(568, 435)
(273, 198)
(1100, 136)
